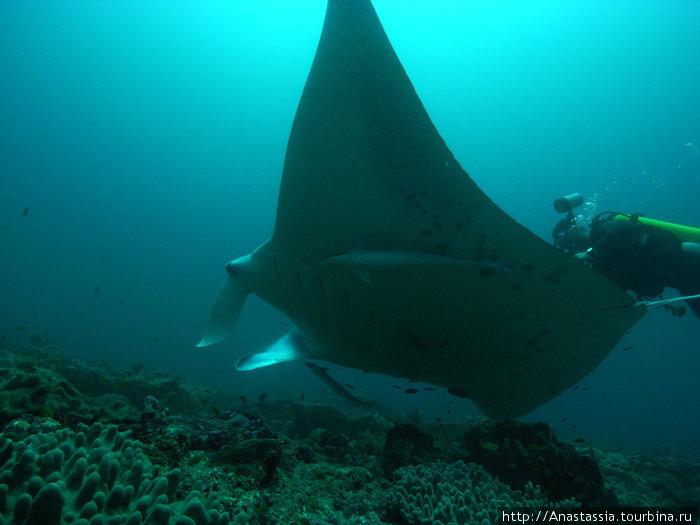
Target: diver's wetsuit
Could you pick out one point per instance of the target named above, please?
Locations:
(569, 237)
(686, 278)
(644, 259)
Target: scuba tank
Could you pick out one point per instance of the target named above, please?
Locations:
(689, 236)
(684, 233)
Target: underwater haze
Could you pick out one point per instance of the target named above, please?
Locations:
(141, 148)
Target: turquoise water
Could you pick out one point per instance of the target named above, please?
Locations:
(141, 146)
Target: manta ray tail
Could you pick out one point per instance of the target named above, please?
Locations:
(227, 308)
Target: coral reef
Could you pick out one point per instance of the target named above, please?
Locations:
(406, 444)
(459, 493)
(43, 392)
(662, 478)
(521, 452)
(94, 475)
(92, 443)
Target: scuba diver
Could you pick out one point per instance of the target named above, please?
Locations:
(639, 254)
(569, 236)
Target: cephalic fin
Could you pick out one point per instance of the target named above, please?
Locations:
(224, 315)
(290, 347)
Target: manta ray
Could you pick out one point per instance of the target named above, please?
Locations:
(387, 257)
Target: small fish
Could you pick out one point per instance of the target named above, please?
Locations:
(455, 391)
(397, 387)
(26, 211)
(562, 420)
(579, 440)
(586, 388)
(262, 397)
(411, 391)
(431, 389)
(97, 289)
(627, 348)
(242, 398)
(121, 303)
(575, 388)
